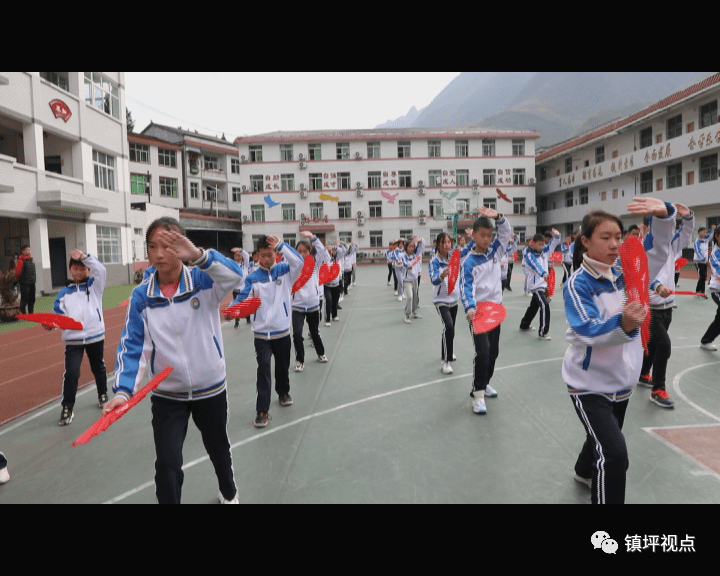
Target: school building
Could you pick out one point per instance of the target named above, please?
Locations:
(373, 186)
(669, 149)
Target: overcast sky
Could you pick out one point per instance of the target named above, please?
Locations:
(246, 103)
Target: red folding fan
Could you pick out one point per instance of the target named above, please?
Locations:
(634, 264)
(680, 262)
(328, 273)
(52, 320)
(556, 257)
(550, 290)
(104, 422)
(244, 309)
(305, 274)
(454, 270)
(488, 315)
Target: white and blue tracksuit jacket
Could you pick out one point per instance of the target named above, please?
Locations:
(480, 275)
(309, 297)
(82, 301)
(182, 332)
(274, 288)
(715, 269)
(537, 265)
(601, 357)
(700, 248)
(666, 275)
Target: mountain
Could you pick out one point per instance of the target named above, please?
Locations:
(559, 105)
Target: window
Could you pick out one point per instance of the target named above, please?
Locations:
(376, 240)
(568, 165)
(405, 179)
(236, 193)
(488, 147)
(256, 153)
(461, 148)
(211, 163)
(344, 210)
(646, 137)
(518, 176)
(256, 183)
(315, 151)
(169, 158)
(646, 182)
(520, 231)
(316, 210)
(603, 196)
(490, 203)
(104, 167)
(138, 184)
(708, 168)
(286, 152)
(403, 149)
(708, 114)
(436, 208)
(462, 177)
(569, 199)
(518, 147)
(289, 239)
(169, 187)
(599, 154)
(60, 79)
(139, 153)
(488, 177)
(316, 181)
(373, 149)
(375, 209)
(287, 182)
(674, 175)
(288, 212)
(212, 192)
(674, 127)
(102, 94)
(583, 195)
(434, 148)
(234, 165)
(407, 234)
(434, 178)
(373, 180)
(258, 212)
(194, 190)
(519, 205)
(343, 180)
(108, 244)
(406, 208)
(342, 150)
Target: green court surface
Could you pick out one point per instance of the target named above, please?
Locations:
(379, 423)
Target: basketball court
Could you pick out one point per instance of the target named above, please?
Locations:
(379, 423)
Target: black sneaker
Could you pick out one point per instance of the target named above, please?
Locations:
(66, 416)
(285, 400)
(661, 398)
(262, 419)
(102, 400)
(645, 380)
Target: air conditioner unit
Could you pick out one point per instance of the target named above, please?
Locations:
(361, 221)
(244, 188)
(531, 181)
(532, 209)
(421, 220)
(359, 192)
(421, 183)
(421, 191)
(243, 159)
(358, 156)
(302, 165)
(301, 157)
(245, 218)
(361, 233)
(475, 182)
(303, 193)
(358, 184)
(422, 213)
(360, 214)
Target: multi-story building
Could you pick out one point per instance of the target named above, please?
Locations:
(669, 149)
(64, 171)
(372, 186)
(209, 186)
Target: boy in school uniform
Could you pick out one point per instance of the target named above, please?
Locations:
(537, 265)
(480, 282)
(81, 300)
(272, 282)
(700, 259)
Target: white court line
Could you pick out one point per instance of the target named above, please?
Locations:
(323, 413)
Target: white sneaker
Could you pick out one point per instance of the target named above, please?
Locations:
(454, 357)
(4, 475)
(327, 323)
(336, 319)
(389, 283)
(235, 500)
(544, 337)
(395, 292)
(709, 346)
(445, 368)
(478, 406)
(299, 366)
(399, 298)
(416, 315)
(586, 481)
(490, 392)
(341, 298)
(322, 359)
(407, 320)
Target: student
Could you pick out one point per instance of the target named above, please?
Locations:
(347, 265)
(272, 282)
(332, 288)
(4, 474)
(397, 266)
(391, 272)
(480, 282)
(306, 302)
(172, 320)
(602, 363)
(506, 262)
(661, 307)
(243, 260)
(566, 258)
(445, 304)
(410, 269)
(713, 330)
(700, 259)
(537, 265)
(25, 275)
(81, 300)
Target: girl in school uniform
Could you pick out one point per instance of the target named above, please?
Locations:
(172, 320)
(713, 330)
(445, 304)
(243, 260)
(414, 248)
(602, 364)
(306, 302)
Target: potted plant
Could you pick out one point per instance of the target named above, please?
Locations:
(9, 306)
